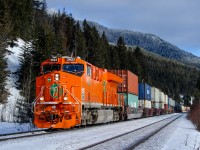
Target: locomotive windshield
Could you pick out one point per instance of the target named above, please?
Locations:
(50, 68)
(76, 69)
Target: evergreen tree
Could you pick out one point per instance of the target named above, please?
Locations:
(104, 49)
(114, 59)
(121, 50)
(5, 35)
(80, 42)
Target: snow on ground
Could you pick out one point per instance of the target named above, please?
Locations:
(75, 139)
(7, 110)
(180, 135)
(6, 128)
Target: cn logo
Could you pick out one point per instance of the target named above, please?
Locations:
(148, 92)
(56, 91)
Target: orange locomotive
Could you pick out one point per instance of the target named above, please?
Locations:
(71, 92)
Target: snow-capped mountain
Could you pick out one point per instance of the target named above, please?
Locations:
(149, 42)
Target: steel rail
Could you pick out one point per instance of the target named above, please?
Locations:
(132, 131)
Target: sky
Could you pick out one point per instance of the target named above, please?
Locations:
(176, 21)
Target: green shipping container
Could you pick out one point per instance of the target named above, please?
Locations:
(130, 100)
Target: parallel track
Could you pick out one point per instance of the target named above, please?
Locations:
(136, 143)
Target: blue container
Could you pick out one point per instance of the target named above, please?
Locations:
(144, 91)
(169, 102)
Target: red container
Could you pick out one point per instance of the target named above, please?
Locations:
(165, 106)
(130, 81)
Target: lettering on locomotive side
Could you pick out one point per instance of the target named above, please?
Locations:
(83, 94)
(70, 59)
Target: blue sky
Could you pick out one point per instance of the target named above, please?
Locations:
(176, 21)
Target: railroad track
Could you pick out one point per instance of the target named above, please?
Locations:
(131, 139)
(17, 135)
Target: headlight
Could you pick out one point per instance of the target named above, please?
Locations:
(42, 98)
(57, 77)
(65, 98)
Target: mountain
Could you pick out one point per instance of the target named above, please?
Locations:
(149, 42)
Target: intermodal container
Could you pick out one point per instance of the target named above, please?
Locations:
(162, 97)
(130, 100)
(161, 105)
(130, 81)
(144, 91)
(166, 99)
(173, 103)
(149, 104)
(169, 102)
(166, 106)
(144, 103)
(155, 94)
(155, 104)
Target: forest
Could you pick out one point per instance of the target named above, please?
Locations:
(59, 34)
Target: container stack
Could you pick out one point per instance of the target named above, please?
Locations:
(145, 98)
(155, 99)
(177, 107)
(169, 104)
(162, 100)
(166, 104)
(172, 105)
(129, 90)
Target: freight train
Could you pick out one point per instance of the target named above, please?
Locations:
(72, 92)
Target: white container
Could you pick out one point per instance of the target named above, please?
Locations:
(152, 94)
(173, 103)
(166, 99)
(161, 105)
(155, 94)
(155, 104)
(170, 101)
(162, 97)
(141, 103)
(144, 104)
(149, 104)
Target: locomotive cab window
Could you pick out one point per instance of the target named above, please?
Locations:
(89, 70)
(76, 69)
(50, 68)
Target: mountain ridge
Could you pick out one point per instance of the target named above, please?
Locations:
(150, 42)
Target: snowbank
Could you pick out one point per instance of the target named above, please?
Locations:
(7, 110)
(6, 128)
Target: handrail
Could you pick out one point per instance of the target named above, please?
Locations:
(75, 98)
(35, 100)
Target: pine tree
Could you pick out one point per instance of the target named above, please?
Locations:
(25, 84)
(80, 42)
(104, 49)
(5, 32)
(114, 59)
(121, 50)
